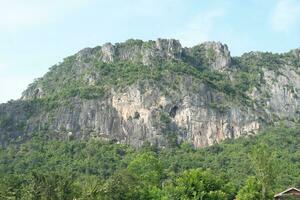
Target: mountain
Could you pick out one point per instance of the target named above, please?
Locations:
(159, 92)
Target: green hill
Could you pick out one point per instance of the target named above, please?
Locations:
(89, 169)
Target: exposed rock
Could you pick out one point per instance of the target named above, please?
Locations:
(146, 53)
(218, 55)
(296, 53)
(134, 117)
(169, 48)
(283, 89)
(84, 54)
(108, 52)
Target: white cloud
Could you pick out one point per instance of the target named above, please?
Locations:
(18, 14)
(200, 28)
(285, 15)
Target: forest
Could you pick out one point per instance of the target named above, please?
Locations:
(252, 168)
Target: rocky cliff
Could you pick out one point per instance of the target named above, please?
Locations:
(157, 91)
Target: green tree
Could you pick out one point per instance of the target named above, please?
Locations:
(265, 167)
(251, 190)
(10, 187)
(90, 187)
(123, 185)
(197, 184)
(50, 186)
(148, 168)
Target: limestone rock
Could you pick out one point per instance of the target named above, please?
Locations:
(108, 52)
(218, 55)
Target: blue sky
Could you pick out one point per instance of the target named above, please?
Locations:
(35, 34)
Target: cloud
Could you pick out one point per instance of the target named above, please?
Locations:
(18, 14)
(199, 28)
(286, 15)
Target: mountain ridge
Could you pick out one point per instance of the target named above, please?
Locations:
(160, 92)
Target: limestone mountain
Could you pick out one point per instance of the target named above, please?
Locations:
(159, 92)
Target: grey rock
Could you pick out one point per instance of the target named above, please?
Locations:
(108, 52)
(218, 55)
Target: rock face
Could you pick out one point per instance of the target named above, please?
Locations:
(218, 55)
(175, 106)
(142, 52)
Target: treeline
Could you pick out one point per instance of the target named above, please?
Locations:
(251, 168)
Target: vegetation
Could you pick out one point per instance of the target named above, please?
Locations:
(252, 168)
(266, 169)
(252, 190)
(96, 78)
(92, 169)
(123, 74)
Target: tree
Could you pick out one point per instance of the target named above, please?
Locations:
(197, 184)
(10, 186)
(89, 187)
(265, 167)
(123, 185)
(251, 190)
(148, 168)
(48, 186)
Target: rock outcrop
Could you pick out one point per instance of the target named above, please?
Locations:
(218, 54)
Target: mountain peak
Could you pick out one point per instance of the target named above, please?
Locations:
(213, 54)
(218, 54)
(144, 52)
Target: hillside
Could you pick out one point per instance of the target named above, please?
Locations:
(104, 170)
(159, 92)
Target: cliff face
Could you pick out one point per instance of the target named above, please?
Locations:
(157, 91)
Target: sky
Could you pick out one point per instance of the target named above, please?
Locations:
(36, 34)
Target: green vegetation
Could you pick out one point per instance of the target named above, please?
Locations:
(252, 190)
(265, 167)
(165, 118)
(95, 79)
(199, 184)
(85, 76)
(252, 168)
(51, 169)
(4, 121)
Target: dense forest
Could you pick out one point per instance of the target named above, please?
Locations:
(249, 168)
